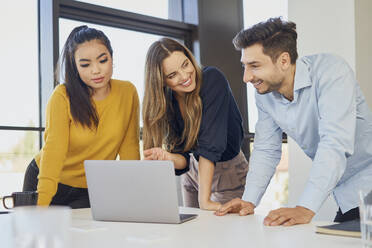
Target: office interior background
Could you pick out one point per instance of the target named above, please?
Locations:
(34, 31)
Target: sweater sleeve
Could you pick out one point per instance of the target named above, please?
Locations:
(55, 147)
(129, 149)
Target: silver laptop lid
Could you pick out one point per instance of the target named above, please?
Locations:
(138, 191)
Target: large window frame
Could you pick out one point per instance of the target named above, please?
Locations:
(51, 11)
(203, 14)
(192, 34)
(39, 128)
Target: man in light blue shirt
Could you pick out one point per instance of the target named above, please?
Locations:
(316, 101)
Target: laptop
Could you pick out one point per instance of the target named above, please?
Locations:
(133, 191)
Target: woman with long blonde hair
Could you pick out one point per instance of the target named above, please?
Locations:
(191, 118)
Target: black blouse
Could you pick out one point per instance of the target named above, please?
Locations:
(221, 131)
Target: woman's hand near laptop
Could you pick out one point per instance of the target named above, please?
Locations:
(236, 206)
(158, 153)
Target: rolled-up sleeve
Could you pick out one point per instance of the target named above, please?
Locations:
(186, 169)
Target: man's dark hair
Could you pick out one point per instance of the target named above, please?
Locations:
(275, 35)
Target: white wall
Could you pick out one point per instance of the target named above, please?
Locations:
(324, 26)
(329, 26)
(254, 12)
(363, 32)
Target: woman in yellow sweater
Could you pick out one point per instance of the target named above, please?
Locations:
(88, 117)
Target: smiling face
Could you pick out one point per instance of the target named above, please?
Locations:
(265, 75)
(94, 64)
(179, 73)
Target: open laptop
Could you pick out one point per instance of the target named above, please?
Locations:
(135, 191)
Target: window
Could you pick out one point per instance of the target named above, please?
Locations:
(31, 47)
(155, 8)
(276, 194)
(19, 96)
(130, 34)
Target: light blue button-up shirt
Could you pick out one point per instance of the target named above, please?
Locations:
(330, 120)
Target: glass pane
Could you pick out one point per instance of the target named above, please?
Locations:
(17, 149)
(155, 8)
(19, 63)
(254, 12)
(129, 48)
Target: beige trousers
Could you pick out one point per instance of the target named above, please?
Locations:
(228, 181)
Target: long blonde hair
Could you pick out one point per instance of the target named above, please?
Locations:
(158, 112)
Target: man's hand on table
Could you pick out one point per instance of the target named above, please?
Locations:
(289, 216)
(281, 216)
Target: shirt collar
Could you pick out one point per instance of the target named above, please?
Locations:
(301, 80)
(302, 76)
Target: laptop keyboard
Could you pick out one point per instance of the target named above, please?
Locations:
(184, 217)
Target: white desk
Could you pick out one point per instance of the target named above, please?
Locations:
(206, 230)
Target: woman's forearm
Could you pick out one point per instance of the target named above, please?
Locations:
(206, 171)
(178, 160)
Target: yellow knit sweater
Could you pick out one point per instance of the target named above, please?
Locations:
(67, 144)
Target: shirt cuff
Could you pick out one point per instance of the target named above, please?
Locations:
(252, 194)
(44, 199)
(312, 198)
(46, 190)
(212, 156)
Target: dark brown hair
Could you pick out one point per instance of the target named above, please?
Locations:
(275, 35)
(81, 107)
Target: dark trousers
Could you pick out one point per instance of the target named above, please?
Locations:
(66, 195)
(352, 214)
